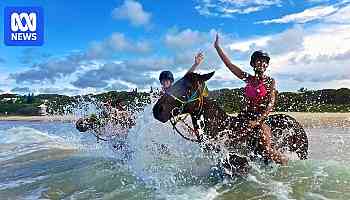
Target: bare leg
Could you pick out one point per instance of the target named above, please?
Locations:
(269, 150)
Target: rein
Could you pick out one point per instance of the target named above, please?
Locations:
(95, 133)
(194, 97)
(188, 126)
(98, 137)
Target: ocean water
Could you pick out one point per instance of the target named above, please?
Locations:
(52, 160)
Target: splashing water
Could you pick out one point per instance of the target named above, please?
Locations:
(52, 160)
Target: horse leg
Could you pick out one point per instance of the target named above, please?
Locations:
(269, 151)
(288, 132)
(299, 144)
(235, 165)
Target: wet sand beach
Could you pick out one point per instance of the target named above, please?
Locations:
(38, 118)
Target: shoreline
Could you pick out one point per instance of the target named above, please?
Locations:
(313, 120)
(307, 119)
(39, 118)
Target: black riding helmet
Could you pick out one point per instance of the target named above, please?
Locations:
(259, 54)
(166, 75)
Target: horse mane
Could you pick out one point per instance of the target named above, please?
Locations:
(191, 76)
(212, 104)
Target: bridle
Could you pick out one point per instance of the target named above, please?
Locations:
(195, 96)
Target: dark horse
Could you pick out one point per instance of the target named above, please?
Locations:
(186, 96)
(96, 124)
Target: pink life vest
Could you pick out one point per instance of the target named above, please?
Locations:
(255, 91)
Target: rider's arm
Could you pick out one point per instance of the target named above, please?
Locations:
(197, 61)
(232, 67)
(272, 100)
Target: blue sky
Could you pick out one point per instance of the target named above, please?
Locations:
(95, 46)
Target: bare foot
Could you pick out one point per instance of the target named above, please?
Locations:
(280, 159)
(284, 160)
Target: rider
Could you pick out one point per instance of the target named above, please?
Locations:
(260, 95)
(166, 79)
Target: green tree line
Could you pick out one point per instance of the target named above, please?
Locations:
(231, 100)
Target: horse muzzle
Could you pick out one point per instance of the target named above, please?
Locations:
(164, 107)
(159, 113)
(81, 125)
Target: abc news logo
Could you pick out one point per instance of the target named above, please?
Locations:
(24, 26)
(16, 25)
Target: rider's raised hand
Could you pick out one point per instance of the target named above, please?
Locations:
(198, 59)
(216, 43)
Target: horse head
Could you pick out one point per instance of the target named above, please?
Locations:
(185, 96)
(87, 124)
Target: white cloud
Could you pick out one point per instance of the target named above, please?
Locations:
(328, 40)
(186, 43)
(314, 56)
(242, 3)
(341, 16)
(324, 58)
(317, 1)
(117, 42)
(228, 8)
(307, 15)
(184, 39)
(246, 45)
(132, 11)
(307, 55)
(288, 40)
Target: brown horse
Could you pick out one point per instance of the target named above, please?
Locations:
(96, 125)
(186, 96)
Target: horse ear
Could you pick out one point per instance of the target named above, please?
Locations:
(206, 77)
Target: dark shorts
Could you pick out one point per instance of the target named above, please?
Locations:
(248, 116)
(243, 119)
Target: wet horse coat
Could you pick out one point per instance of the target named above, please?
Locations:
(286, 131)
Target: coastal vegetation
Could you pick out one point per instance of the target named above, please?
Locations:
(231, 100)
